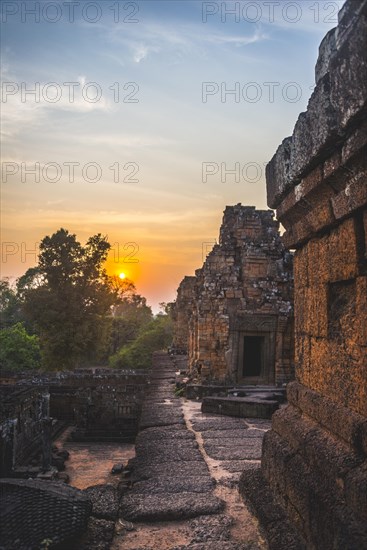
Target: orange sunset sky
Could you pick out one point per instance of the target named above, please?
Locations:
(126, 119)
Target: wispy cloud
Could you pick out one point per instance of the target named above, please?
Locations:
(168, 132)
(147, 39)
(21, 108)
(237, 40)
(134, 141)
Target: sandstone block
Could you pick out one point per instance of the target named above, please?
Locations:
(300, 265)
(348, 75)
(351, 198)
(277, 179)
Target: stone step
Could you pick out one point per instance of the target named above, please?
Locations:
(243, 407)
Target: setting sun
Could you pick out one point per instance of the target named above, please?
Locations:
(122, 276)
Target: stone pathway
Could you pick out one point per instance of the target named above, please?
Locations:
(185, 475)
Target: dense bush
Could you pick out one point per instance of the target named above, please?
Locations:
(154, 336)
(19, 350)
(10, 306)
(131, 317)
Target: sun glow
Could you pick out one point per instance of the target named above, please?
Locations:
(122, 276)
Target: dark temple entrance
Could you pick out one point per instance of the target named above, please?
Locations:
(253, 356)
(253, 341)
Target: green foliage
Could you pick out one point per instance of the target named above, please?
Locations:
(154, 336)
(18, 349)
(100, 331)
(129, 318)
(167, 307)
(10, 305)
(132, 315)
(65, 296)
(80, 314)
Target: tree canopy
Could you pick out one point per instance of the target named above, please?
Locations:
(68, 312)
(65, 296)
(10, 306)
(19, 350)
(155, 336)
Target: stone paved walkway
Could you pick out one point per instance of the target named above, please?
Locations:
(185, 476)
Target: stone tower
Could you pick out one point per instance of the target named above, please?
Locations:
(236, 313)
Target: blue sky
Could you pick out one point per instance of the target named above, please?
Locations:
(160, 135)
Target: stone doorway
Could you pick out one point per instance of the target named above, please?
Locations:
(256, 358)
(254, 341)
(253, 356)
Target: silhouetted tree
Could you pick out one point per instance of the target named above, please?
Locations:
(66, 295)
(156, 335)
(131, 315)
(10, 305)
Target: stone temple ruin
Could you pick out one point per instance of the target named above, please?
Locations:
(102, 405)
(25, 427)
(315, 457)
(234, 318)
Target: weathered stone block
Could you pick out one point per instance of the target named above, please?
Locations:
(104, 500)
(316, 217)
(285, 429)
(351, 198)
(300, 149)
(275, 455)
(168, 507)
(355, 143)
(309, 183)
(99, 536)
(341, 266)
(356, 491)
(322, 117)
(339, 373)
(337, 419)
(301, 319)
(280, 532)
(297, 481)
(300, 266)
(247, 407)
(326, 50)
(277, 179)
(348, 75)
(318, 261)
(360, 323)
(331, 165)
(310, 309)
